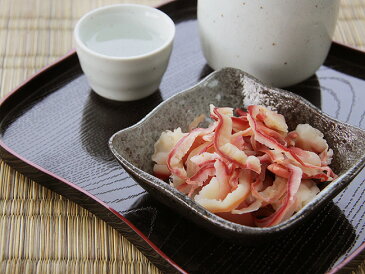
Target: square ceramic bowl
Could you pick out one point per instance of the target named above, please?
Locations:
(133, 146)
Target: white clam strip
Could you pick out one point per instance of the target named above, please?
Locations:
(209, 196)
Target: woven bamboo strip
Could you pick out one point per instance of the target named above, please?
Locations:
(360, 269)
(351, 24)
(41, 231)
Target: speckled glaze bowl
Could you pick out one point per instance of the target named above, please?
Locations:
(133, 146)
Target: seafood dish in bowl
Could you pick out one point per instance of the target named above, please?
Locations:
(245, 168)
(134, 147)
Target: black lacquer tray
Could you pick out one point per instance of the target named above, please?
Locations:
(55, 130)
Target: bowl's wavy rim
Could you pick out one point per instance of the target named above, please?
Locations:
(328, 192)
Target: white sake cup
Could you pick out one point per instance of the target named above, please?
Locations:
(280, 42)
(124, 49)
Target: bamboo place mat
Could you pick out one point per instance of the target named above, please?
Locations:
(41, 231)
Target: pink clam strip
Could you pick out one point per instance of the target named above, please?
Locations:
(290, 138)
(198, 180)
(267, 140)
(309, 138)
(274, 155)
(311, 171)
(240, 112)
(209, 137)
(308, 173)
(222, 175)
(248, 165)
(204, 157)
(240, 124)
(234, 179)
(258, 136)
(293, 184)
(253, 163)
(272, 133)
(256, 205)
(223, 131)
(250, 153)
(279, 170)
(272, 193)
(307, 157)
(211, 145)
(237, 141)
(243, 133)
(262, 137)
(312, 165)
(270, 118)
(229, 202)
(224, 111)
(222, 140)
(264, 159)
(257, 186)
(191, 167)
(202, 175)
(174, 160)
(186, 189)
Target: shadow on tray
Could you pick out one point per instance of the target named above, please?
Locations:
(312, 247)
(101, 118)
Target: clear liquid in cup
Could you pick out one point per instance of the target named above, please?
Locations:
(124, 40)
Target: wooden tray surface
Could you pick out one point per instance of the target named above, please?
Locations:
(54, 129)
